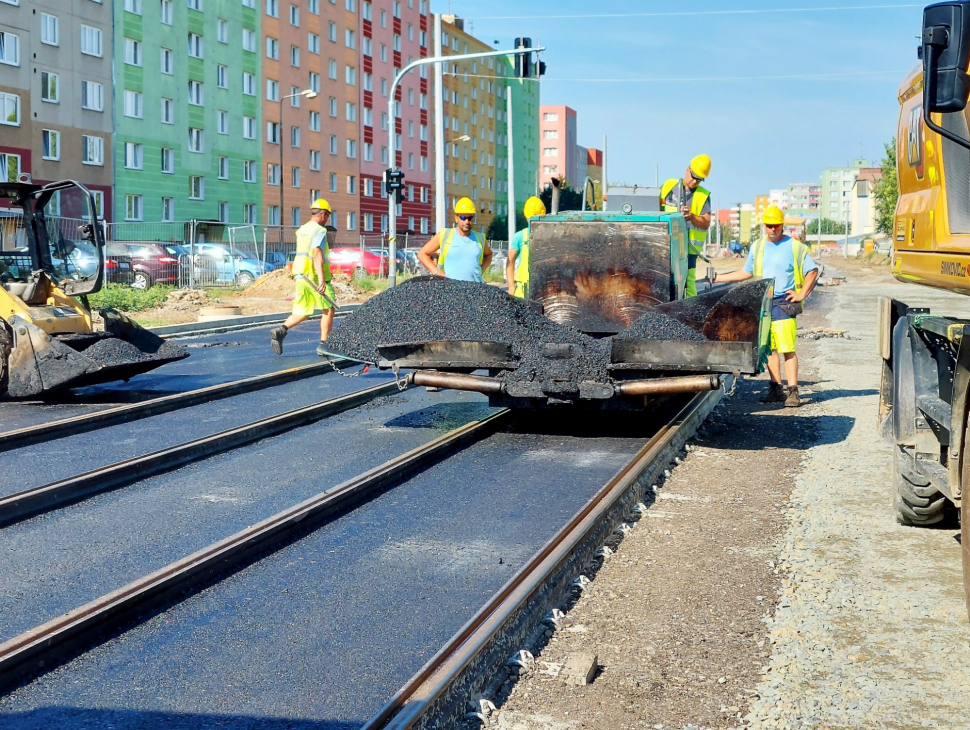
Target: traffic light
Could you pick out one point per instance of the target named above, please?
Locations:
(393, 180)
(523, 61)
(540, 68)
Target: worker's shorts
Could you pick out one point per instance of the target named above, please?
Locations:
(783, 335)
(521, 290)
(307, 300)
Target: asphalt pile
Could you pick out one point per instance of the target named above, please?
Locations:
(658, 326)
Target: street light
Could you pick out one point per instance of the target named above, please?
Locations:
(309, 94)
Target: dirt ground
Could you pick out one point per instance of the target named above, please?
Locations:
(769, 585)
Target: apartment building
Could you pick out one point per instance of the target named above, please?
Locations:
(188, 124)
(557, 128)
(55, 95)
(836, 193)
(393, 34)
(862, 204)
(803, 199)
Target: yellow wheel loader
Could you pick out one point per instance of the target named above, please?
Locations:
(50, 339)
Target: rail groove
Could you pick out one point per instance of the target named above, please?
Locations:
(123, 414)
(46, 646)
(30, 502)
(466, 667)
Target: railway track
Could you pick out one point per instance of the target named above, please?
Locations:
(440, 690)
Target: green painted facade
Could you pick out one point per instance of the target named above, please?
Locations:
(525, 132)
(150, 182)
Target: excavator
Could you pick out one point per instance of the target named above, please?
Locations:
(50, 338)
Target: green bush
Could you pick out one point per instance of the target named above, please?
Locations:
(127, 299)
(369, 283)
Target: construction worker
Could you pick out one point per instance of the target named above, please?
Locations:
(786, 260)
(463, 254)
(688, 198)
(517, 266)
(311, 270)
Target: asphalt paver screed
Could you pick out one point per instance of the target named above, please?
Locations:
(769, 585)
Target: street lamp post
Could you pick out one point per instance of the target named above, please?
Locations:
(391, 131)
(309, 94)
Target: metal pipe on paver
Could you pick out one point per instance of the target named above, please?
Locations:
(456, 381)
(555, 196)
(666, 386)
(391, 131)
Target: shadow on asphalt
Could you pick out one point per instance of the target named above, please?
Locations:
(83, 717)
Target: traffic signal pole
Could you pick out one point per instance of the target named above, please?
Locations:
(393, 178)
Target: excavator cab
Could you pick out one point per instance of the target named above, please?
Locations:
(51, 259)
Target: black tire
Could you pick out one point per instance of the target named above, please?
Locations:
(918, 503)
(358, 273)
(141, 280)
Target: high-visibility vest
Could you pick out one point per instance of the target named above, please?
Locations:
(303, 261)
(799, 251)
(522, 260)
(446, 245)
(696, 237)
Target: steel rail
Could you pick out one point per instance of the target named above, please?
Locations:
(123, 414)
(21, 505)
(45, 647)
(424, 700)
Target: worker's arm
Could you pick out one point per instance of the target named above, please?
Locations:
(425, 253)
(811, 278)
(701, 222)
(486, 257)
(739, 275)
(510, 270)
(317, 256)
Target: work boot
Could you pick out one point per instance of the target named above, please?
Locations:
(775, 394)
(276, 339)
(793, 401)
(322, 349)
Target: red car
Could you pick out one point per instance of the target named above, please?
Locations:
(151, 263)
(351, 261)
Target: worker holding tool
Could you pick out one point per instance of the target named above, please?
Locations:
(787, 261)
(517, 266)
(463, 254)
(693, 202)
(311, 270)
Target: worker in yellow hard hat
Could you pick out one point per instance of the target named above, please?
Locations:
(517, 266)
(687, 197)
(787, 261)
(311, 270)
(463, 254)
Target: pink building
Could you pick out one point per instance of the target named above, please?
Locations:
(558, 153)
(393, 34)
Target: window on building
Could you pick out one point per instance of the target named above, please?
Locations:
(411, 128)
(272, 215)
(294, 16)
(272, 90)
(273, 132)
(223, 211)
(249, 40)
(333, 144)
(333, 182)
(295, 177)
(92, 96)
(49, 30)
(383, 54)
(272, 48)
(249, 84)
(351, 112)
(332, 31)
(366, 46)
(273, 8)
(49, 87)
(196, 140)
(350, 6)
(368, 187)
(134, 208)
(222, 119)
(222, 76)
(134, 156)
(314, 82)
(368, 82)
(314, 121)
(333, 106)
(195, 5)
(550, 117)
(223, 168)
(550, 151)
(249, 213)
(168, 111)
(294, 56)
(333, 69)
(313, 43)
(133, 6)
(383, 155)
(249, 127)
(196, 95)
(9, 167)
(368, 152)
(167, 16)
(396, 42)
(313, 6)
(383, 19)
(350, 38)
(168, 210)
(222, 30)
(294, 136)
(167, 62)
(352, 148)
(92, 150)
(168, 160)
(195, 46)
(351, 75)
(51, 144)
(295, 217)
(351, 215)
(410, 160)
(196, 187)
(249, 171)
(10, 48)
(133, 104)
(315, 160)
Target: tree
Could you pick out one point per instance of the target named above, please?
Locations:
(498, 229)
(886, 191)
(829, 227)
(569, 198)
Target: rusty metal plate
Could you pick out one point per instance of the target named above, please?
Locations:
(599, 276)
(685, 356)
(443, 354)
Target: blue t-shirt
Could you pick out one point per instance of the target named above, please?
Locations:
(779, 263)
(462, 261)
(517, 240)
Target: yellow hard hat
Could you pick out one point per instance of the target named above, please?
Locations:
(773, 216)
(534, 207)
(701, 166)
(465, 206)
(320, 204)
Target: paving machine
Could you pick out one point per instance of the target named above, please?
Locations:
(50, 339)
(607, 325)
(924, 394)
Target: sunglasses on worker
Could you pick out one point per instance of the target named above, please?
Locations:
(466, 217)
(699, 179)
(774, 226)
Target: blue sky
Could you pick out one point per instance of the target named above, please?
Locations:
(833, 96)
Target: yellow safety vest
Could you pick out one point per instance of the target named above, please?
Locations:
(446, 245)
(799, 251)
(522, 260)
(303, 261)
(696, 237)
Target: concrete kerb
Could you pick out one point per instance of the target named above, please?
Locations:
(232, 324)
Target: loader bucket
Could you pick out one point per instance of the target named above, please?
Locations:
(41, 363)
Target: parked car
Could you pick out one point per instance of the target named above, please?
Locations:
(151, 263)
(407, 261)
(216, 264)
(82, 261)
(353, 261)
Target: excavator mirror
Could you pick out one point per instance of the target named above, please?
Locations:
(945, 52)
(86, 232)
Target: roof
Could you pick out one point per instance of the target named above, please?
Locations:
(870, 173)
